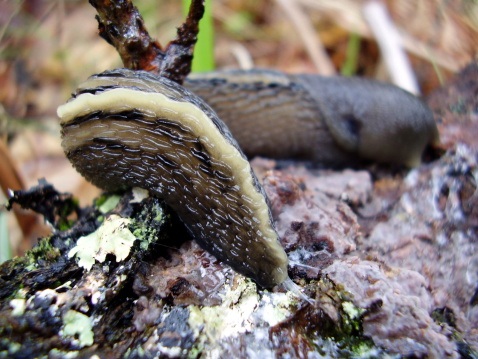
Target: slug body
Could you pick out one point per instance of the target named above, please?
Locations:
(334, 121)
(128, 128)
(125, 128)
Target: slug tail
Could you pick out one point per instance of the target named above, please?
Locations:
(294, 288)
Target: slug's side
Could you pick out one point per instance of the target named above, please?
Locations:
(334, 121)
(128, 128)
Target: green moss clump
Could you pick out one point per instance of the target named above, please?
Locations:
(146, 226)
(44, 250)
(343, 338)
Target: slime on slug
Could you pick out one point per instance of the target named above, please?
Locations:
(125, 128)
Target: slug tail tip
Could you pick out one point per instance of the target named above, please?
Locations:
(294, 288)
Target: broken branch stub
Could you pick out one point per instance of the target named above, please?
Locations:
(122, 26)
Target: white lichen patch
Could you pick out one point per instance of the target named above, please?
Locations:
(173, 352)
(56, 353)
(242, 311)
(233, 316)
(13, 348)
(19, 306)
(243, 315)
(276, 307)
(78, 327)
(139, 194)
(113, 237)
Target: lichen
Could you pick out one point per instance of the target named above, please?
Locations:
(231, 317)
(275, 308)
(108, 203)
(19, 306)
(60, 354)
(113, 236)
(78, 325)
(13, 348)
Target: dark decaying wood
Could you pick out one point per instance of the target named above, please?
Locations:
(122, 26)
(389, 255)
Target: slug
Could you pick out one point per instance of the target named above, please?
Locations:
(125, 128)
(333, 121)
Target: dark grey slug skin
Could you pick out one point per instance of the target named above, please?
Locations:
(334, 121)
(379, 121)
(128, 149)
(269, 116)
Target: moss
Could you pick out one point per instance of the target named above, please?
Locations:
(137, 352)
(345, 337)
(98, 202)
(352, 316)
(445, 317)
(147, 224)
(44, 250)
(195, 352)
(64, 212)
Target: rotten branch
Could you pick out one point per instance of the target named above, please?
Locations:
(121, 25)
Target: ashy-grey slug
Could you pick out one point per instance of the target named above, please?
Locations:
(334, 121)
(125, 128)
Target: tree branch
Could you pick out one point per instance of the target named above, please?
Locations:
(122, 26)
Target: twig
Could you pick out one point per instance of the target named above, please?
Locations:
(176, 64)
(122, 26)
(306, 31)
(389, 41)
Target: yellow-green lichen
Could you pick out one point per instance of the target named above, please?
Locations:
(109, 203)
(113, 236)
(78, 325)
(351, 310)
(229, 318)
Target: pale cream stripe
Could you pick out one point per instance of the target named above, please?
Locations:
(186, 114)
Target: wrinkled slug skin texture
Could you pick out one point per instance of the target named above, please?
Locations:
(334, 121)
(128, 128)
